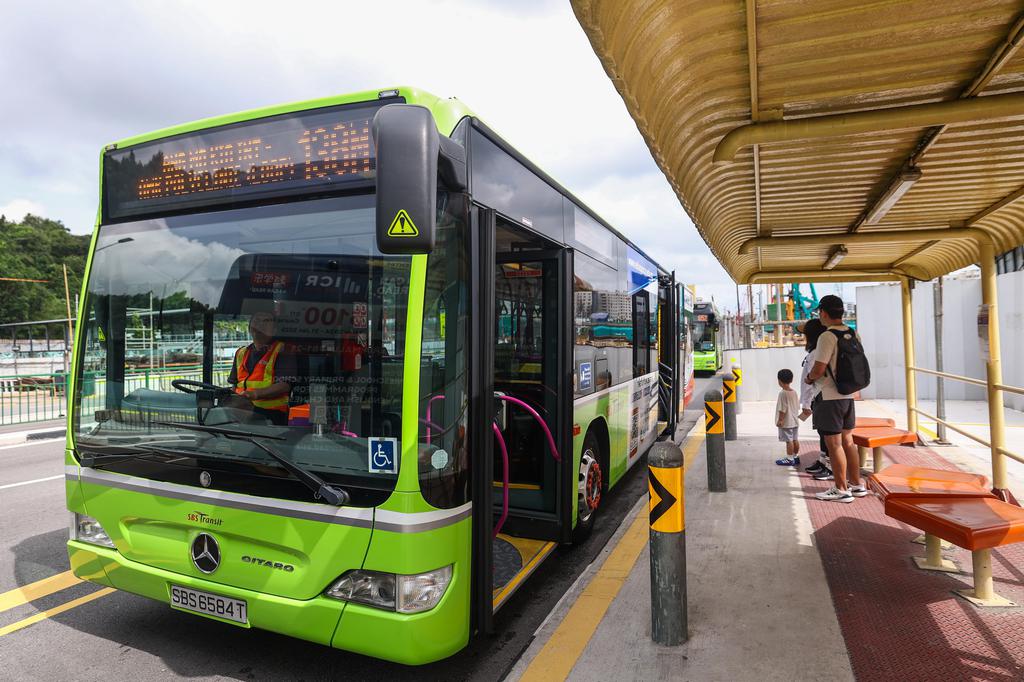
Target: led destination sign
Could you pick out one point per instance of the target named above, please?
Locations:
(272, 156)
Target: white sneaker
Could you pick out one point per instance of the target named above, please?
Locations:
(834, 494)
(859, 491)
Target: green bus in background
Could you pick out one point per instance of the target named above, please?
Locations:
(707, 339)
(454, 405)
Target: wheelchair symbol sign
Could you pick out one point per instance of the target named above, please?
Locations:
(586, 376)
(383, 455)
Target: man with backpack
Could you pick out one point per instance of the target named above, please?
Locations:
(840, 370)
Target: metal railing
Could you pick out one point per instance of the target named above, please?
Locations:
(27, 398)
(976, 382)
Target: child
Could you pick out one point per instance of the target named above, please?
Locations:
(787, 412)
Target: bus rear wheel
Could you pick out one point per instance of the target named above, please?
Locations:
(589, 489)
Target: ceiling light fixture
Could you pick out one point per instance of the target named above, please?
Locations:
(834, 258)
(893, 193)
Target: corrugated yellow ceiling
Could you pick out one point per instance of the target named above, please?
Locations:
(692, 71)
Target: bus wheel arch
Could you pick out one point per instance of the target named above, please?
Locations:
(592, 483)
(599, 429)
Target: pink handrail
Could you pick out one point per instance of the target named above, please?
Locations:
(504, 479)
(543, 424)
(430, 401)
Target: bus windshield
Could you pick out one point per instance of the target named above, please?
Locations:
(703, 336)
(287, 316)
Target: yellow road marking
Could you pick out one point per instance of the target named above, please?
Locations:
(560, 653)
(40, 588)
(692, 447)
(43, 615)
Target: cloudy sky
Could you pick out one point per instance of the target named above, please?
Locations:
(76, 75)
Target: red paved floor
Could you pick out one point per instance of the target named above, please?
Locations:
(902, 623)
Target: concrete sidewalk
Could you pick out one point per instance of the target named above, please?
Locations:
(782, 586)
(13, 434)
(759, 604)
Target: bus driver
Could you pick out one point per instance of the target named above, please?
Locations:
(260, 371)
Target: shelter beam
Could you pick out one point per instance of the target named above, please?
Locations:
(973, 110)
(874, 237)
(786, 277)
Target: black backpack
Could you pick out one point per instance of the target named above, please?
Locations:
(852, 370)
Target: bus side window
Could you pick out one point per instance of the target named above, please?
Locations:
(641, 333)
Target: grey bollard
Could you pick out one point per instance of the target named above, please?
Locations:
(668, 544)
(737, 374)
(714, 442)
(729, 409)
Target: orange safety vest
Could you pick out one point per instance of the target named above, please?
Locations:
(261, 376)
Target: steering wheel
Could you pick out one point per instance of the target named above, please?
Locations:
(189, 386)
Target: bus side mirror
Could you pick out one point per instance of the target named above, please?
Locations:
(410, 153)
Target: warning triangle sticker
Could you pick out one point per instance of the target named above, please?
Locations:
(403, 226)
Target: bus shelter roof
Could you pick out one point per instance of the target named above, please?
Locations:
(835, 139)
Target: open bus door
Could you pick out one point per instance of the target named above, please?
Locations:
(523, 483)
(669, 371)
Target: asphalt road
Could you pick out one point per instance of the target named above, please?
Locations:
(120, 635)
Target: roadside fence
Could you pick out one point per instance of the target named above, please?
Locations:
(28, 398)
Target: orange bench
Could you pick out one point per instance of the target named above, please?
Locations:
(975, 523)
(869, 422)
(902, 480)
(874, 437)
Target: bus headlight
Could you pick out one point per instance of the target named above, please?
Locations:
(87, 529)
(401, 593)
(365, 587)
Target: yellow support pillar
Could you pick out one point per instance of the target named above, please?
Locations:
(994, 367)
(778, 311)
(908, 353)
(933, 560)
(983, 593)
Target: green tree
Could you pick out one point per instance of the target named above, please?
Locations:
(38, 248)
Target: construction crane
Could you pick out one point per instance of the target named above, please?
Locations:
(800, 307)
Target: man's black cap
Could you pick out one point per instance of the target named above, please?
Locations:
(831, 304)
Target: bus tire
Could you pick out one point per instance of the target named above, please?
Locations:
(590, 488)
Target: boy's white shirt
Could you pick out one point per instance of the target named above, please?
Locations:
(807, 391)
(788, 406)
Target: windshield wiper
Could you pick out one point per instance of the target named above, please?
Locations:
(93, 455)
(219, 430)
(331, 494)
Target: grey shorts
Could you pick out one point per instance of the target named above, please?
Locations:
(788, 434)
(834, 416)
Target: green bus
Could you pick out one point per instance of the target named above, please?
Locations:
(449, 418)
(707, 338)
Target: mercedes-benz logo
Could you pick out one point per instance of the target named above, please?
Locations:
(205, 553)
